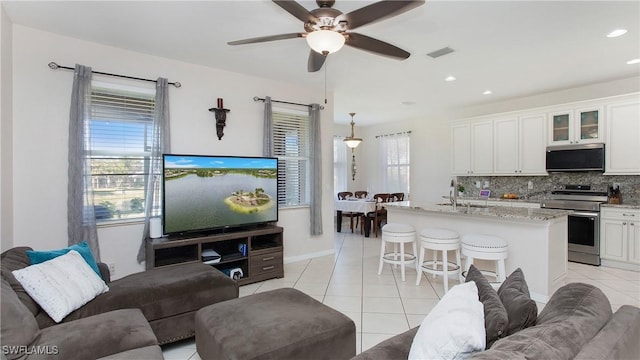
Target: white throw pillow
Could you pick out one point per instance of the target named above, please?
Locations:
(61, 285)
(454, 329)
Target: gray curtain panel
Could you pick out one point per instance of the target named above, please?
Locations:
(160, 144)
(267, 140)
(81, 218)
(316, 170)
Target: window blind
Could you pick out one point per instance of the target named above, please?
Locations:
(291, 146)
(120, 126)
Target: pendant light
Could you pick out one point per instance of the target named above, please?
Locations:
(352, 141)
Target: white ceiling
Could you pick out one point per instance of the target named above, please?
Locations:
(514, 48)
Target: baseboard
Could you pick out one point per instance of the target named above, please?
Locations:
(619, 265)
(291, 259)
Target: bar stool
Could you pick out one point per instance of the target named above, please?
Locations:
(445, 240)
(397, 234)
(486, 247)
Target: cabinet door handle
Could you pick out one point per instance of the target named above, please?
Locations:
(265, 268)
(628, 214)
(624, 223)
(268, 258)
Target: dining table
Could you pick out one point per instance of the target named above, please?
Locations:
(354, 205)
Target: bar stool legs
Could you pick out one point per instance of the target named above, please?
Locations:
(398, 235)
(439, 240)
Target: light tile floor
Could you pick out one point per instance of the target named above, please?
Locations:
(382, 305)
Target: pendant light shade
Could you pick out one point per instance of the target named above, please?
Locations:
(325, 41)
(352, 141)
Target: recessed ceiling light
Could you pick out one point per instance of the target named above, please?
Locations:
(487, 92)
(634, 61)
(616, 33)
(450, 78)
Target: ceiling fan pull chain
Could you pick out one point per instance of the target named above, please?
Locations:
(326, 65)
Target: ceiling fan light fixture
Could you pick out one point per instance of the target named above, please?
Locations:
(325, 41)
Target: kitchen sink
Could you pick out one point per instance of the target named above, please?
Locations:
(465, 205)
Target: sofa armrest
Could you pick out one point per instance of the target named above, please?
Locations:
(395, 348)
(104, 272)
(618, 339)
(96, 336)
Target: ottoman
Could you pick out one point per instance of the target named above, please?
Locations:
(278, 324)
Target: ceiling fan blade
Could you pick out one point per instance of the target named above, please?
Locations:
(364, 42)
(266, 38)
(296, 10)
(378, 11)
(316, 60)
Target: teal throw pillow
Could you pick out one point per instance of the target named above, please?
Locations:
(37, 257)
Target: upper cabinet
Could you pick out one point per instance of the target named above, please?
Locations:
(519, 145)
(472, 148)
(622, 149)
(576, 126)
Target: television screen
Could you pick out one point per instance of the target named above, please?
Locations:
(214, 192)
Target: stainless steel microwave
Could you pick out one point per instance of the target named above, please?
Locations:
(583, 157)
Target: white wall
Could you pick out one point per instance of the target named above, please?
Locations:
(6, 131)
(430, 156)
(41, 98)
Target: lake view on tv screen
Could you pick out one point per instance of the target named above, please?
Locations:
(210, 192)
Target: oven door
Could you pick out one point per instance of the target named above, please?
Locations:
(584, 232)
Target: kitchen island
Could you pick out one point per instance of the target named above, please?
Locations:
(537, 238)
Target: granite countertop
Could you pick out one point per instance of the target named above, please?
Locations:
(630, 205)
(505, 212)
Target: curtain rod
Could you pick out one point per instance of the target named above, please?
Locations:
(55, 66)
(400, 133)
(255, 98)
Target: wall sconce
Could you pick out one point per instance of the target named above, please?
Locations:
(221, 118)
(352, 141)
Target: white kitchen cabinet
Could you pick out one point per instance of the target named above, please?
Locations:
(473, 148)
(620, 235)
(622, 152)
(576, 126)
(519, 145)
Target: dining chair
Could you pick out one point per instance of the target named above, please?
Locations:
(360, 216)
(343, 195)
(397, 197)
(380, 214)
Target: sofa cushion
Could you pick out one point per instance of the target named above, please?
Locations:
(98, 336)
(496, 320)
(37, 257)
(454, 328)
(61, 285)
(573, 316)
(14, 259)
(521, 310)
(19, 327)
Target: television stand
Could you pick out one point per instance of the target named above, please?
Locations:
(258, 252)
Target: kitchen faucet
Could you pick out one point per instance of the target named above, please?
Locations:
(453, 193)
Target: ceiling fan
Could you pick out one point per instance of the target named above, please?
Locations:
(327, 29)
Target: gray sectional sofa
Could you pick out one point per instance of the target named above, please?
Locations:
(576, 323)
(130, 321)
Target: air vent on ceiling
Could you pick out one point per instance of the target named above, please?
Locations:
(441, 52)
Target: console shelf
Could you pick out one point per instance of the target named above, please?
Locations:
(258, 252)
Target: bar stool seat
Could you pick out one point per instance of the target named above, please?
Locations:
(399, 235)
(444, 240)
(486, 247)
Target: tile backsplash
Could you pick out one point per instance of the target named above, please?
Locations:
(543, 185)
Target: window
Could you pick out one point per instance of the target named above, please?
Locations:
(291, 147)
(120, 126)
(394, 162)
(339, 165)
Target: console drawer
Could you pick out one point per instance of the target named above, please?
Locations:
(267, 262)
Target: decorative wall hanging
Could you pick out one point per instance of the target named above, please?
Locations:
(221, 118)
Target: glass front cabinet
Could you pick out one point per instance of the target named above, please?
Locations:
(579, 126)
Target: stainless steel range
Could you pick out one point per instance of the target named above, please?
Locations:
(583, 223)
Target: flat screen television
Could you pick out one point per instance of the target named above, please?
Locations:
(205, 193)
